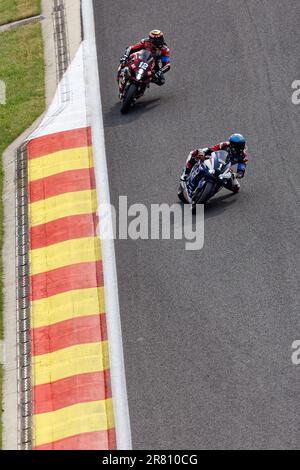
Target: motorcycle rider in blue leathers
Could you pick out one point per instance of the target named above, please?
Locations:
(237, 154)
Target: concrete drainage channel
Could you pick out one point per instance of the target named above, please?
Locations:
(61, 38)
(23, 302)
(22, 244)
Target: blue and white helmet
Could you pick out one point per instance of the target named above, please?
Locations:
(237, 142)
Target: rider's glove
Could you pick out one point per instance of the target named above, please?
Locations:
(201, 156)
(123, 59)
(240, 175)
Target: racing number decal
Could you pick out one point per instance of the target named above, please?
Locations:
(143, 65)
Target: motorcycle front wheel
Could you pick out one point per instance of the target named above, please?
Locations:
(128, 99)
(203, 196)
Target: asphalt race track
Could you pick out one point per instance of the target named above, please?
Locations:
(207, 335)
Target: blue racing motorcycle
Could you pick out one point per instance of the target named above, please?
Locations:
(206, 179)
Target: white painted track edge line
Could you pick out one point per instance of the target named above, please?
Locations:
(117, 368)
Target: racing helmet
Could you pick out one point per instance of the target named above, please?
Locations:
(237, 143)
(156, 37)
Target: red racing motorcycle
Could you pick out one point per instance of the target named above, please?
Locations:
(134, 77)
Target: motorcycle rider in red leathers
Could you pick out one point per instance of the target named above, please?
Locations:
(236, 149)
(155, 43)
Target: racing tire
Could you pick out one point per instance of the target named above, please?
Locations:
(128, 99)
(203, 195)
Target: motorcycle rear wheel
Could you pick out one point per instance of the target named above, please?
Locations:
(128, 99)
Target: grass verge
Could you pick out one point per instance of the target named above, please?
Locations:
(14, 10)
(22, 72)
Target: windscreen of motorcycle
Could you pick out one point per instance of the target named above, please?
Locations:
(145, 58)
(220, 163)
(221, 155)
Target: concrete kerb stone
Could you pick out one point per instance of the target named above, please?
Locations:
(17, 24)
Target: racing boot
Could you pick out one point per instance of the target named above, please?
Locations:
(233, 184)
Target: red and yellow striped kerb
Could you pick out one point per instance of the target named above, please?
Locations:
(72, 403)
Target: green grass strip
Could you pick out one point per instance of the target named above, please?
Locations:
(22, 72)
(14, 10)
